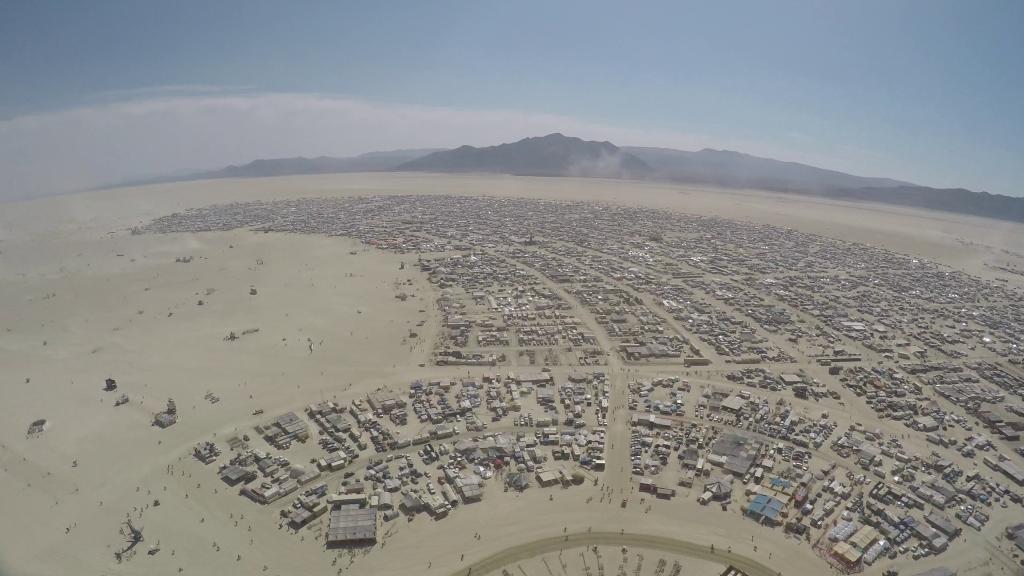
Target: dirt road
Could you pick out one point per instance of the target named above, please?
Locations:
(546, 545)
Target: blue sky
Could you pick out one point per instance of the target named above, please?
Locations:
(926, 91)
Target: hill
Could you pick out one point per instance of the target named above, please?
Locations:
(729, 169)
(957, 200)
(369, 162)
(551, 155)
(559, 155)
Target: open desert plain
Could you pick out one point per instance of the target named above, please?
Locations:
(407, 373)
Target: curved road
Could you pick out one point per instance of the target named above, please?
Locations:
(528, 550)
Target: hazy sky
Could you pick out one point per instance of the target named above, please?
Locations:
(94, 92)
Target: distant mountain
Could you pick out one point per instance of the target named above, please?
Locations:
(551, 155)
(558, 155)
(369, 162)
(730, 169)
(956, 200)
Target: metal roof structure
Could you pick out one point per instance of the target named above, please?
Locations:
(763, 506)
(351, 524)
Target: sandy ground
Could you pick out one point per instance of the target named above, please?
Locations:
(583, 554)
(82, 299)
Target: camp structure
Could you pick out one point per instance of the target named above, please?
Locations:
(233, 475)
(284, 429)
(37, 427)
(168, 417)
(206, 452)
(351, 525)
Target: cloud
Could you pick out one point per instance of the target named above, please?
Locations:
(149, 135)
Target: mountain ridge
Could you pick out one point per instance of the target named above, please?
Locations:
(556, 155)
(551, 155)
(368, 162)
